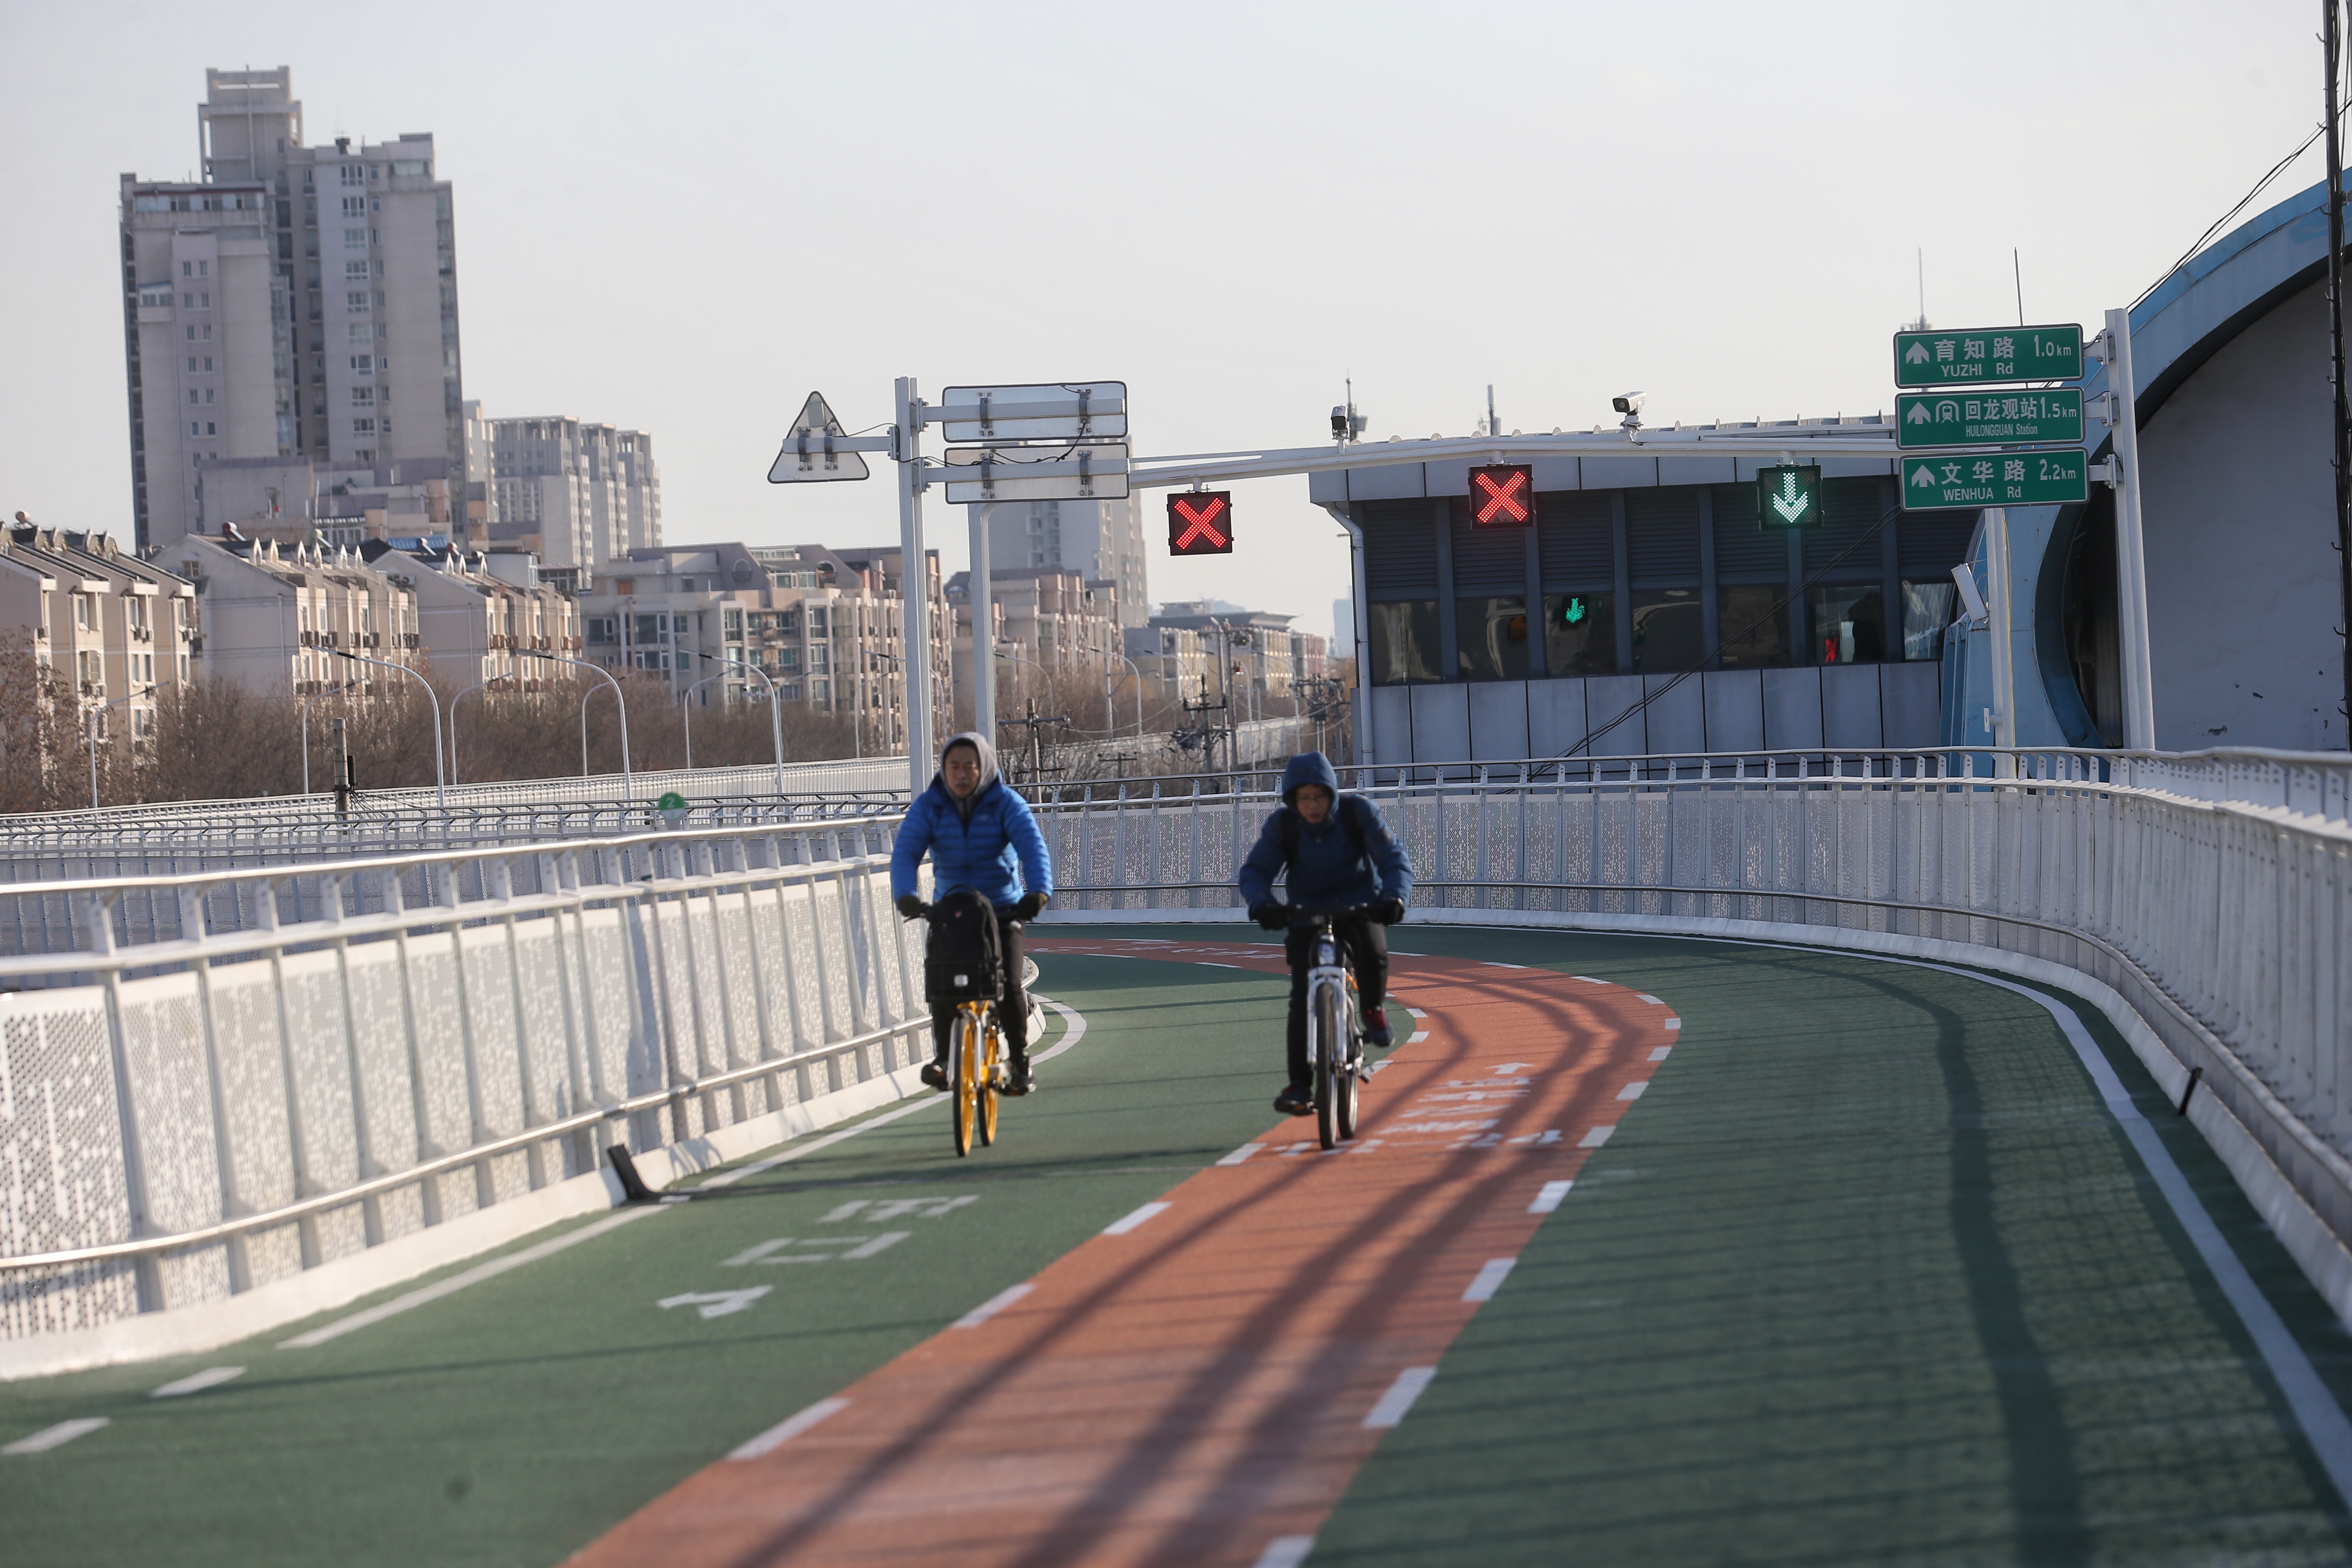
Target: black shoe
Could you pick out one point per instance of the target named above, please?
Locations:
(1018, 1079)
(1296, 1100)
(935, 1074)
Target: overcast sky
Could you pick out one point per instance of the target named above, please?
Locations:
(683, 218)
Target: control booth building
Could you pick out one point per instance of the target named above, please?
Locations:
(1494, 644)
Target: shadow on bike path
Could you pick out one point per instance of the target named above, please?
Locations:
(1207, 1380)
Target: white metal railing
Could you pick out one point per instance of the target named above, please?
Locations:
(2212, 891)
(207, 1110)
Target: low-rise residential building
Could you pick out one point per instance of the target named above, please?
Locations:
(823, 627)
(482, 617)
(1061, 620)
(277, 617)
(119, 628)
(1257, 646)
(1175, 662)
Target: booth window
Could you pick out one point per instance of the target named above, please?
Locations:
(1755, 625)
(1580, 634)
(1667, 633)
(1491, 636)
(1849, 623)
(1404, 642)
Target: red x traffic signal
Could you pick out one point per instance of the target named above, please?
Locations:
(1503, 496)
(1201, 522)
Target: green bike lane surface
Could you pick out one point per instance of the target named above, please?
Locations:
(1868, 1274)
(516, 1419)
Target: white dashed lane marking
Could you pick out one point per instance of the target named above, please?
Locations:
(1490, 1279)
(65, 1432)
(1594, 1136)
(993, 1305)
(1632, 1090)
(211, 1377)
(1399, 1399)
(1550, 1197)
(1140, 1217)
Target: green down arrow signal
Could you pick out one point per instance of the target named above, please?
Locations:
(1791, 502)
(1788, 496)
(1574, 613)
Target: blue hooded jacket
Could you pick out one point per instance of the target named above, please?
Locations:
(1329, 872)
(988, 843)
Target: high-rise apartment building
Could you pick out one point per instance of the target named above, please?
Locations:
(295, 302)
(1096, 540)
(579, 495)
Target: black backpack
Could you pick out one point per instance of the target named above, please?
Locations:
(964, 962)
(1347, 805)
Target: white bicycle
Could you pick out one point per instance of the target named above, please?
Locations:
(1335, 1027)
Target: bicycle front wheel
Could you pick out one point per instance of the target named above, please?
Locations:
(965, 1065)
(1331, 1081)
(990, 1065)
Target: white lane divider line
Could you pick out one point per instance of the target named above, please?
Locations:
(1672, 1024)
(783, 1432)
(1416, 1037)
(1400, 1397)
(1213, 963)
(1595, 1137)
(1490, 1279)
(56, 1436)
(457, 1282)
(1285, 1551)
(1661, 1053)
(1136, 1219)
(1498, 963)
(1416, 1012)
(1653, 1001)
(1240, 1154)
(211, 1377)
(1634, 1091)
(1550, 1197)
(1590, 981)
(993, 1305)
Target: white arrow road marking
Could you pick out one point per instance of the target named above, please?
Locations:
(211, 1377)
(56, 1436)
(717, 1303)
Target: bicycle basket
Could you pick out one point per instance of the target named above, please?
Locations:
(963, 962)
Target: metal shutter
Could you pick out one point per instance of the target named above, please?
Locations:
(1572, 534)
(1662, 535)
(1743, 548)
(1933, 542)
(1849, 509)
(1487, 561)
(1399, 549)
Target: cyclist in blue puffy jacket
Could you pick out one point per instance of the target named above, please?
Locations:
(1340, 855)
(980, 836)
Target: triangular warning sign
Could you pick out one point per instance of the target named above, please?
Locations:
(805, 459)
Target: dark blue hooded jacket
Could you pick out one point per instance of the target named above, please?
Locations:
(989, 843)
(1329, 872)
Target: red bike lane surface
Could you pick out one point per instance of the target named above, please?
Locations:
(1197, 1383)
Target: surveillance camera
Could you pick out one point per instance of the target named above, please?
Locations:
(1340, 423)
(1630, 402)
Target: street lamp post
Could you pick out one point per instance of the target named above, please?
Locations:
(328, 691)
(687, 710)
(624, 702)
(775, 713)
(453, 721)
(92, 726)
(1111, 719)
(440, 778)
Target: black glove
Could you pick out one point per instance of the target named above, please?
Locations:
(1270, 915)
(1030, 903)
(1389, 911)
(910, 906)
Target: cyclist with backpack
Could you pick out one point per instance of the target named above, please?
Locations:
(1340, 856)
(982, 841)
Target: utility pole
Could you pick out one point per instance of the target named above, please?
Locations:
(2332, 41)
(1036, 750)
(346, 782)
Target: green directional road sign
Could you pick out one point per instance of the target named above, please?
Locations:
(1788, 497)
(1988, 353)
(1995, 479)
(1988, 418)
